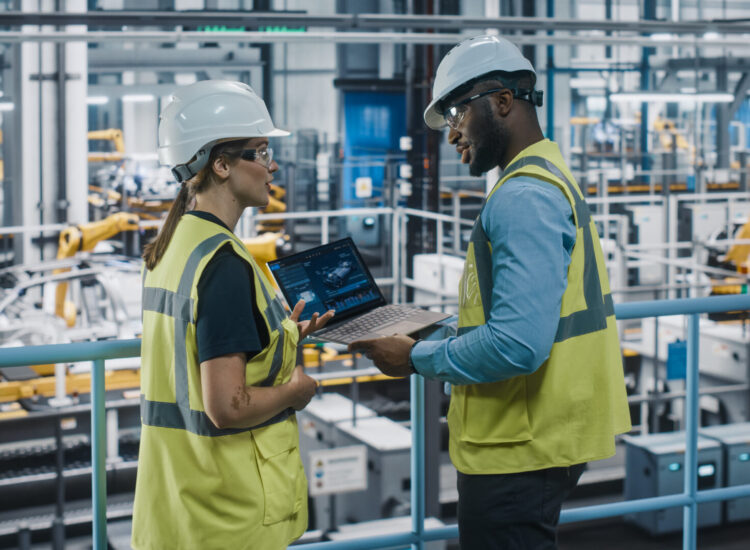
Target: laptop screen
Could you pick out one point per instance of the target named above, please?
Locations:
(330, 276)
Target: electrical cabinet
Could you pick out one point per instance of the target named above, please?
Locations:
(654, 467)
(735, 441)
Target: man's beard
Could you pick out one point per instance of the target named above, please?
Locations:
(491, 145)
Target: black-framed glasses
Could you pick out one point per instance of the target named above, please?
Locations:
(456, 112)
(261, 156)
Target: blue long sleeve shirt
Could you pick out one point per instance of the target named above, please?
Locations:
(532, 231)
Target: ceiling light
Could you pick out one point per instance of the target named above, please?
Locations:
(661, 37)
(711, 35)
(6, 106)
(97, 100)
(137, 98)
(671, 97)
(580, 83)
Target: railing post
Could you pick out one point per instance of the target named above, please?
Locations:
(690, 515)
(417, 460)
(98, 457)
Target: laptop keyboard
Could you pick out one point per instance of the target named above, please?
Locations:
(364, 325)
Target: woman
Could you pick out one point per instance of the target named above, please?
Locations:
(219, 463)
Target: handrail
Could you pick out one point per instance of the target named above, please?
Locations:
(100, 351)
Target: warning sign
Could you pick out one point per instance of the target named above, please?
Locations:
(338, 470)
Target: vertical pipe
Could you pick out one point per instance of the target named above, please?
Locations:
(690, 511)
(417, 460)
(396, 267)
(98, 456)
(550, 78)
(58, 524)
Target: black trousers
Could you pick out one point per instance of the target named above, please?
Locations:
(513, 511)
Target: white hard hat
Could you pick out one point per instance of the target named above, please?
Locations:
(468, 60)
(201, 114)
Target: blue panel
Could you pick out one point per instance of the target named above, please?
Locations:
(373, 124)
(677, 360)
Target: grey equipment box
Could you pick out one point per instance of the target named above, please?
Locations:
(654, 467)
(735, 438)
(388, 470)
(318, 430)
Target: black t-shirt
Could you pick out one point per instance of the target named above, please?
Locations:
(228, 317)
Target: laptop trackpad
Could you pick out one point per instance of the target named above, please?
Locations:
(402, 327)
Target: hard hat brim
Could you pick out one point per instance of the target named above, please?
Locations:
(432, 117)
(278, 132)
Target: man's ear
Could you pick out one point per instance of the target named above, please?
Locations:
(221, 167)
(502, 101)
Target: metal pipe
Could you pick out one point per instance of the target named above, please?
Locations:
(172, 37)
(98, 456)
(417, 460)
(118, 19)
(690, 512)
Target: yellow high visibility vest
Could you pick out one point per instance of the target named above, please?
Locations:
(199, 486)
(569, 410)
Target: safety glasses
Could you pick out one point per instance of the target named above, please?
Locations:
(261, 156)
(456, 112)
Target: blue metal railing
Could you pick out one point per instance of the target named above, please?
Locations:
(98, 352)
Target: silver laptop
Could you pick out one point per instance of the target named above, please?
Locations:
(333, 276)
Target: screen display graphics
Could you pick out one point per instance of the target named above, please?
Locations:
(328, 277)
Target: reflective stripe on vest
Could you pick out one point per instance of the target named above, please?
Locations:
(179, 306)
(598, 306)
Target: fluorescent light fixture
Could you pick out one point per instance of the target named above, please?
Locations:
(662, 37)
(137, 98)
(588, 83)
(6, 106)
(671, 97)
(711, 35)
(595, 104)
(97, 100)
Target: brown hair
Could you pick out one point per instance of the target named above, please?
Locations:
(153, 251)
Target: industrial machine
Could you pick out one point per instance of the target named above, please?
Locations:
(735, 443)
(654, 466)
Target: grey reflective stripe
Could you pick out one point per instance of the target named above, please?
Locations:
(594, 317)
(180, 325)
(278, 360)
(167, 302)
(170, 415)
(275, 314)
(583, 214)
(483, 261)
(179, 415)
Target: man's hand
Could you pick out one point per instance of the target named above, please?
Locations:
(303, 388)
(315, 323)
(390, 353)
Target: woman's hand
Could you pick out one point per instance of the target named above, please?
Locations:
(303, 388)
(315, 323)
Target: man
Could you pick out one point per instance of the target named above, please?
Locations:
(535, 368)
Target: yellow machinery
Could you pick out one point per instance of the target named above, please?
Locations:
(275, 204)
(84, 238)
(115, 136)
(668, 134)
(264, 248)
(739, 255)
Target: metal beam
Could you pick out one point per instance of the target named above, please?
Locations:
(690, 63)
(245, 19)
(102, 60)
(740, 93)
(171, 37)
